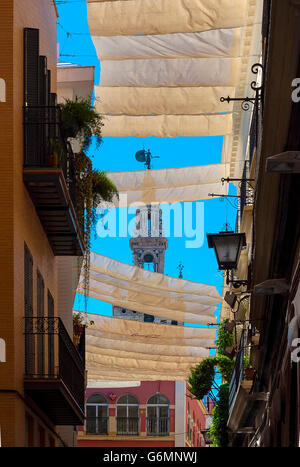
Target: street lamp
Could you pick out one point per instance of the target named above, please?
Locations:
(228, 246)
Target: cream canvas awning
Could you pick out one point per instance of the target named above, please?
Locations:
(169, 185)
(144, 291)
(120, 349)
(166, 63)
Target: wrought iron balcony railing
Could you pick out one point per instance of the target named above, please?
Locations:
(96, 425)
(52, 180)
(158, 426)
(238, 371)
(246, 191)
(127, 425)
(50, 355)
(42, 137)
(42, 130)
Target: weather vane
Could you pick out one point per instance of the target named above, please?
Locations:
(180, 268)
(145, 156)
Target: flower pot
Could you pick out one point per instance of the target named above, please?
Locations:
(70, 128)
(77, 329)
(249, 373)
(51, 160)
(229, 351)
(76, 340)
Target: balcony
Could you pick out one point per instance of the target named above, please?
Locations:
(96, 425)
(51, 181)
(54, 371)
(127, 426)
(158, 426)
(246, 190)
(239, 389)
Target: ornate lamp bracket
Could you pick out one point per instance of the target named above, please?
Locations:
(245, 101)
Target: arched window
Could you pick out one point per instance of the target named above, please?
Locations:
(158, 416)
(97, 414)
(127, 415)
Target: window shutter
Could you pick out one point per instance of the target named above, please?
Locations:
(40, 324)
(31, 66)
(32, 139)
(43, 110)
(50, 334)
(28, 311)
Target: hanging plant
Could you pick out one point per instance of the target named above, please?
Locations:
(78, 116)
(201, 378)
(224, 339)
(93, 187)
(218, 430)
(225, 366)
(79, 323)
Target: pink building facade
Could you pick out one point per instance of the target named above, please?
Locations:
(141, 416)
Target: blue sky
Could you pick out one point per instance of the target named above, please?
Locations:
(117, 154)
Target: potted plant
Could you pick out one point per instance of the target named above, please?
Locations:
(248, 370)
(225, 340)
(79, 323)
(55, 153)
(78, 116)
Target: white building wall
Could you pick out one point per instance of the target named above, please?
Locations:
(180, 411)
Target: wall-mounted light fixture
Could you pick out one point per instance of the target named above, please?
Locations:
(228, 246)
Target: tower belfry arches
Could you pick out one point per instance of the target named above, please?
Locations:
(148, 245)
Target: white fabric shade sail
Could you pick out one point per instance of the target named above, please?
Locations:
(127, 272)
(144, 291)
(135, 101)
(169, 185)
(166, 63)
(167, 125)
(213, 43)
(120, 349)
(170, 72)
(133, 17)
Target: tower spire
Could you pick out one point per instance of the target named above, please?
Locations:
(180, 267)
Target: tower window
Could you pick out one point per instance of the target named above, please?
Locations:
(148, 258)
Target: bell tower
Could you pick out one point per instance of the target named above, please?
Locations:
(148, 244)
(148, 247)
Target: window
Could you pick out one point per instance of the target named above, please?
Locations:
(97, 415)
(40, 288)
(127, 415)
(28, 310)
(148, 318)
(158, 415)
(50, 334)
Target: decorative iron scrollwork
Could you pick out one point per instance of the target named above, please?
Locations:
(245, 101)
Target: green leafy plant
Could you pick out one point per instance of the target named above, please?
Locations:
(103, 188)
(224, 339)
(225, 366)
(79, 319)
(93, 187)
(78, 116)
(201, 378)
(218, 430)
(246, 361)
